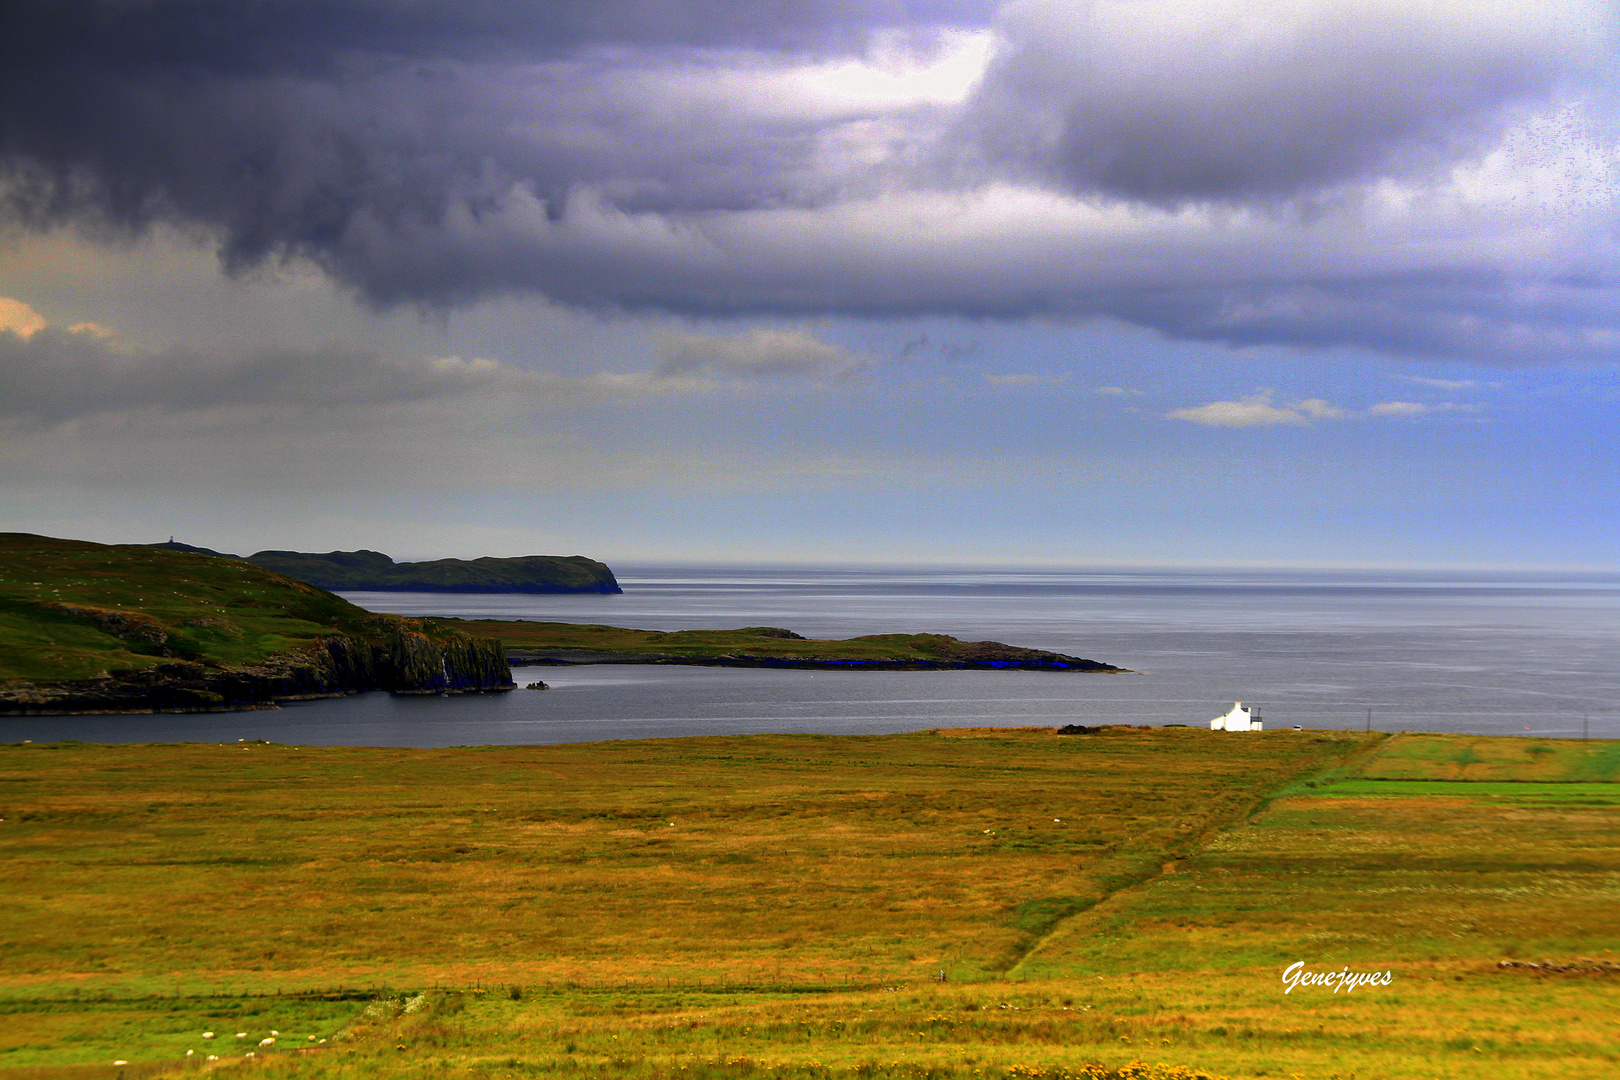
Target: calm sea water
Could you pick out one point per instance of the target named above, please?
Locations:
(1490, 655)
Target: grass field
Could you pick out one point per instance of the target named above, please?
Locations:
(781, 906)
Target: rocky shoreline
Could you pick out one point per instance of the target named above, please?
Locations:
(409, 662)
(406, 662)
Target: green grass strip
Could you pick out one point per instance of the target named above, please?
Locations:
(1603, 794)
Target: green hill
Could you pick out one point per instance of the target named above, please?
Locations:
(90, 626)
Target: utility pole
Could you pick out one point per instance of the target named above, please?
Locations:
(1586, 726)
(1369, 719)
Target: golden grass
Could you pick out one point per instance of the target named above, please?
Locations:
(789, 921)
(768, 859)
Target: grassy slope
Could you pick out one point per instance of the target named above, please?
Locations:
(719, 946)
(752, 641)
(220, 611)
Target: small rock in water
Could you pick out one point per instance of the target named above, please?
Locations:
(537, 686)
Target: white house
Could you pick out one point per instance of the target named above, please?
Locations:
(1239, 719)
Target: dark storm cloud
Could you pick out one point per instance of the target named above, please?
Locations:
(133, 37)
(673, 156)
(285, 124)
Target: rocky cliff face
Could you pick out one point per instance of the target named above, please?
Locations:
(462, 664)
(410, 662)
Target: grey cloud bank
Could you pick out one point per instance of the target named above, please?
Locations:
(1227, 99)
(1431, 180)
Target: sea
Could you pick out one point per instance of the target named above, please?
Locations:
(1493, 654)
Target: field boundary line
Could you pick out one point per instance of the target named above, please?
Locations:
(1197, 842)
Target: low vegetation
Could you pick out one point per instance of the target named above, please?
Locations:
(784, 906)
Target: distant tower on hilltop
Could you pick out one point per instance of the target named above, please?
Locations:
(1239, 719)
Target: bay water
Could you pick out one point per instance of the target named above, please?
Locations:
(1487, 654)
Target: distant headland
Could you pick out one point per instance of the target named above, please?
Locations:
(372, 571)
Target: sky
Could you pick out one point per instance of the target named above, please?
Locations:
(1108, 283)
